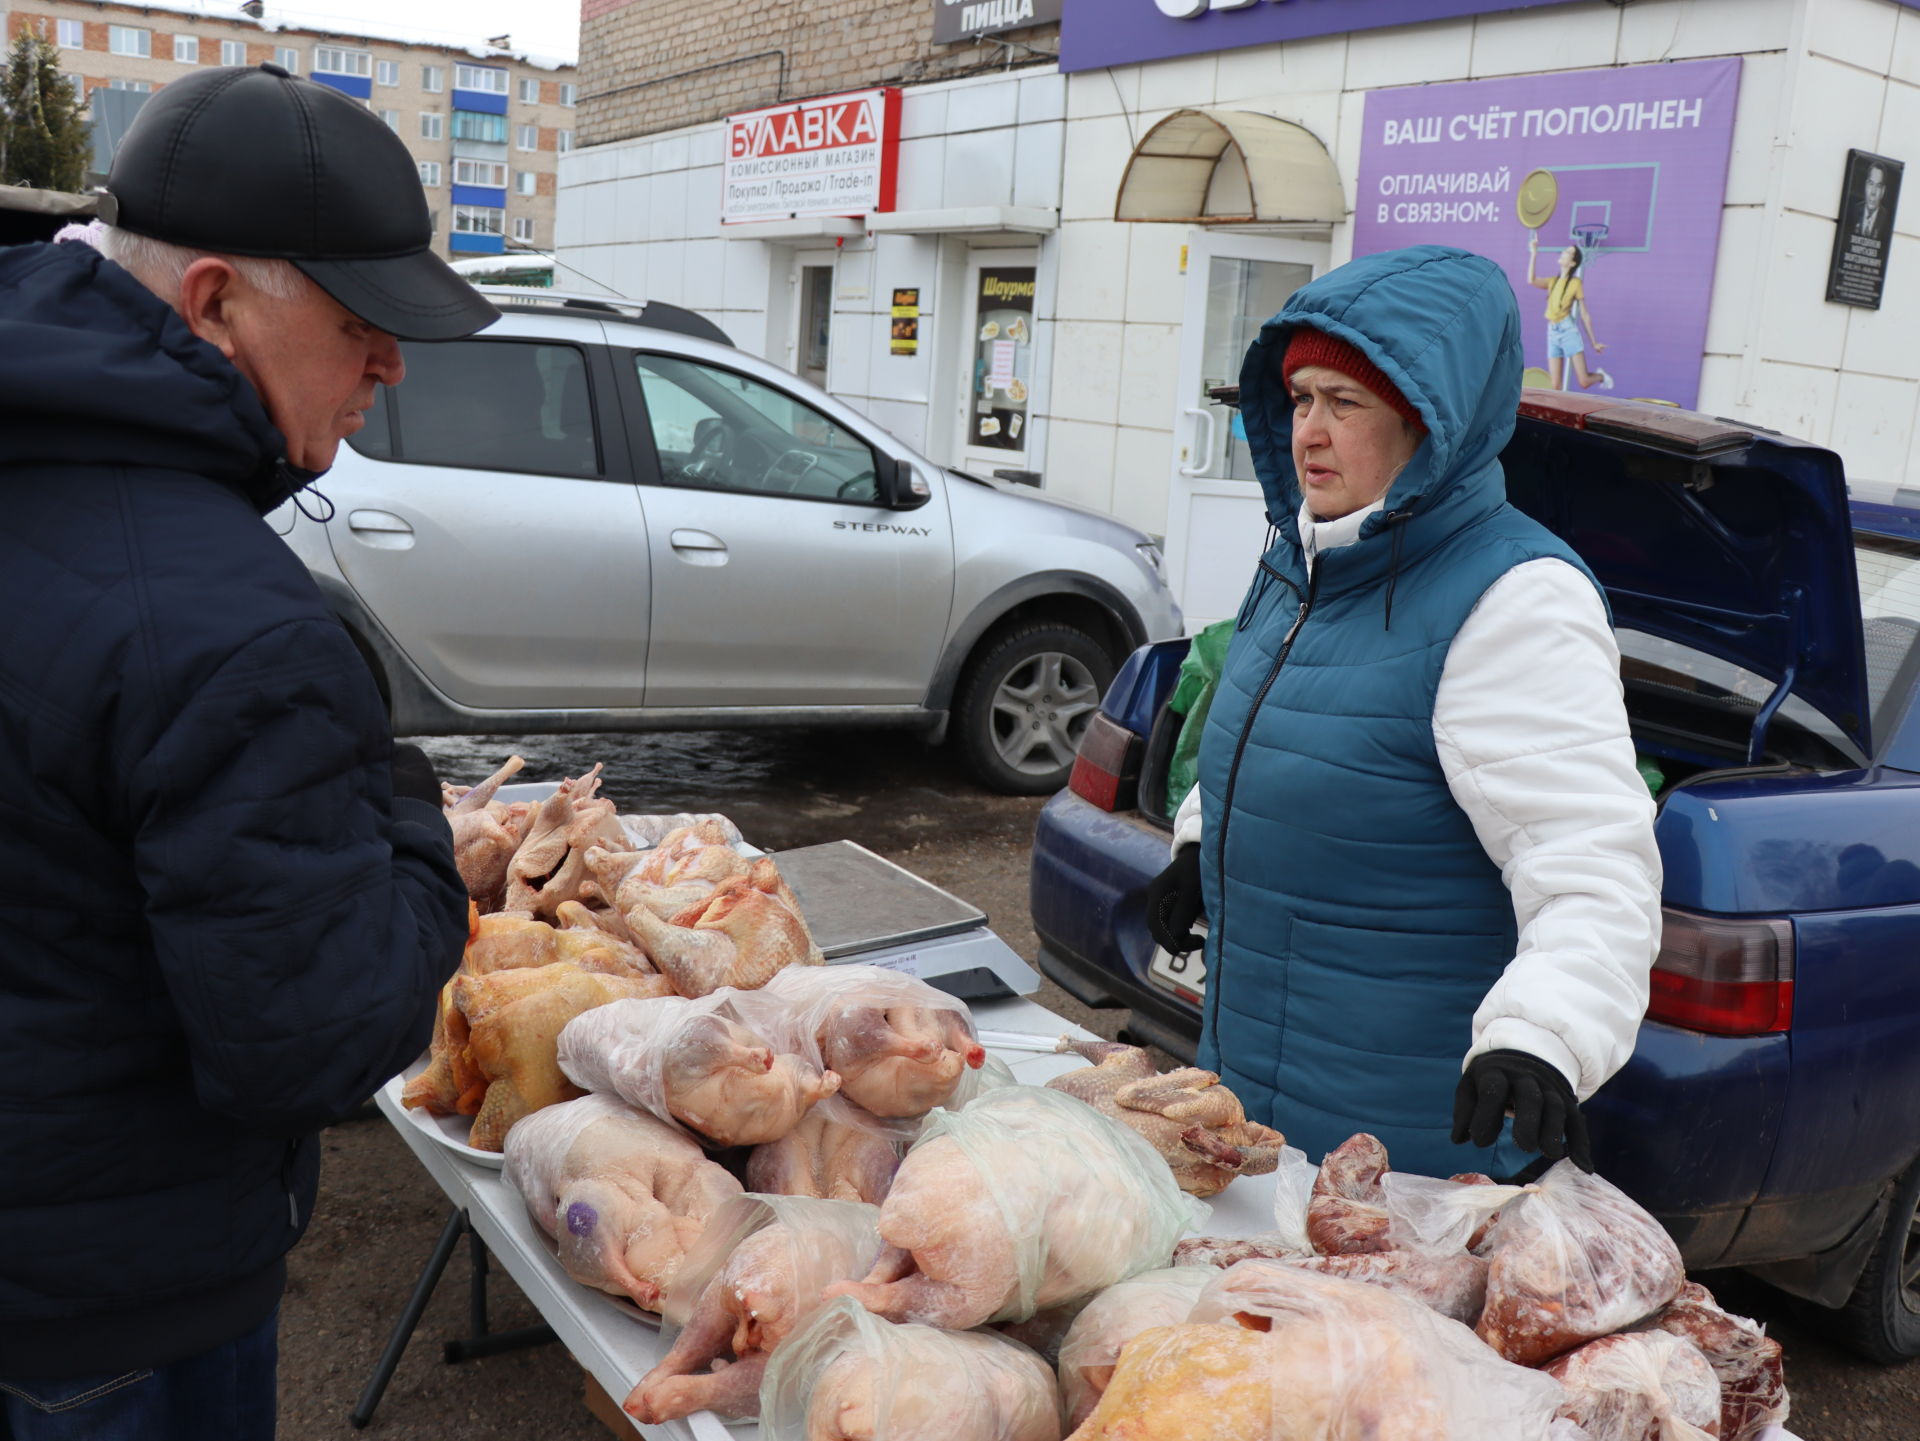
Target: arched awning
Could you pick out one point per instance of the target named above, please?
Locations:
(1228, 167)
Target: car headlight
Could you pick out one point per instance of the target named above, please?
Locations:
(1152, 559)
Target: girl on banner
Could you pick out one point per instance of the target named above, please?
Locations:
(1566, 297)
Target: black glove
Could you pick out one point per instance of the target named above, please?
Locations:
(1546, 1114)
(1174, 903)
(414, 776)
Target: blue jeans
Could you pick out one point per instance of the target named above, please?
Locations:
(228, 1392)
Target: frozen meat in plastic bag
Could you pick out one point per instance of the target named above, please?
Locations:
(1113, 1318)
(1454, 1285)
(848, 1375)
(622, 1195)
(899, 1046)
(1293, 1188)
(1442, 1217)
(1641, 1386)
(1573, 1259)
(1347, 1213)
(752, 1279)
(1753, 1383)
(694, 1063)
(1024, 1200)
(1273, 1352)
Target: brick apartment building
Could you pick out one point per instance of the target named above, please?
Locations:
(486, 126)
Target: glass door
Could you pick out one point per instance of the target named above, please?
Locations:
(998, 373)
(1215, 511)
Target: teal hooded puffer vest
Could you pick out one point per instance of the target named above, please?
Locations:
(1356, 922)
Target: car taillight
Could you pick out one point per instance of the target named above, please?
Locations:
(1722, 976)
(1106, 770)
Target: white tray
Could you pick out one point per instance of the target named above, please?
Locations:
(448, 1131)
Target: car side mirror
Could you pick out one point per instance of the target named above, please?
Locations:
(902, 487)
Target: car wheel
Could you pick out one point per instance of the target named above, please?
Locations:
(1027, 699)
(1882, 1320)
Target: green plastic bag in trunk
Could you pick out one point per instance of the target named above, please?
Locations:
(1193, 698)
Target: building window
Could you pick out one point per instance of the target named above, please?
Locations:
(431, 78)
(523, 228)
(79, 84)
(565, 141)
(331, 60)
(473, 125)
(430, 172)
(391, 119)
(287, 58)
(529, 90)
(480, 172)
(432, 125)
(568, 94)
(386, 72)
(480, 77)
(526, 137)
(525, 182)
(233, 52)
(138, 87)
(73, 35)
(129, 40)
(186, 49)
(479, 220)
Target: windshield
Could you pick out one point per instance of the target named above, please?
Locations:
(1890, 619)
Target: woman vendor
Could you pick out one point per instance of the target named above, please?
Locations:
(1418, 833)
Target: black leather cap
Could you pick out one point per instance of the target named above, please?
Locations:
(259, 162)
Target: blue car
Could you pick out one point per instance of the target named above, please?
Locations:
(1770, 638)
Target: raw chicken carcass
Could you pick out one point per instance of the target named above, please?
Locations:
(694, 1062)
(1194, 1122)
(1113, 1318)
(1641, 1386)
(827, 1159)
(683, 870)
(1024, 1200)
(740, 936)
(515, 1019)
(1748, 1362)
(850, 1376)
(646, 832)
(551, 864)
(511, 942)
(755, 1276)
(485, 835)
(622, 1195)
(1347, 1215)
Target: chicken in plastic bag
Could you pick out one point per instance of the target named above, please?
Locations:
(1642, 1386)
(848, 1375)
(825, 1158)
(899, 1046)
(1753, 1383)
(1347, 1214)
(621, 1194)
(1024, 1200)
(747, 1284)
(1113, 1318)
(1273, 1352)
(1573, 1259)
(694, 1063)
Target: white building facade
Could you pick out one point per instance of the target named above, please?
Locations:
(1001, 316)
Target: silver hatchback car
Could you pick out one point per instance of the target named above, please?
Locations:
(598, 516)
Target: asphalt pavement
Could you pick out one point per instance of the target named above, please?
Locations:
(379, 1215)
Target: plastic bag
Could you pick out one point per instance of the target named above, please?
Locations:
(1454, 1286)
(1439, 1217)
(693, 1063)
(1193, 698)
(1024, 1200)
(1282, 1354)
(1753, 1383)
(1643, 1386)
(622, 1195)
(820, 1157)
(1292, 1193)
(1347, 1213)
(899, 1046)
(646, 832)
(1573, 1259)
(753, 1278)
(851, 1376)
(1113, 1318)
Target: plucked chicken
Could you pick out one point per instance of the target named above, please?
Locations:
(1196, 1124)
(551, 864)
(684, 869)
(740, 936)
(485, 835)
(696, 1063)
(826, 1158)
(622, 1195)
(1113, 1318)
(1024, 1200)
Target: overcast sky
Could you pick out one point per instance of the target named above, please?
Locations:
(544, 27)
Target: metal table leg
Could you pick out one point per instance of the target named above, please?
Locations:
(481, 1341)
(410, 1317)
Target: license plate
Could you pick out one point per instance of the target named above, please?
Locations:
(1185, 976)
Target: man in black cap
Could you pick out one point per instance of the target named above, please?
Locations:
(227, 899)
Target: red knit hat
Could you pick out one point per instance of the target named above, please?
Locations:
(1316, 347)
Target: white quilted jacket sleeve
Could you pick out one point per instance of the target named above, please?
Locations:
(1531, 725)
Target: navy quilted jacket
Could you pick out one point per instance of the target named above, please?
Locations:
(218, 928)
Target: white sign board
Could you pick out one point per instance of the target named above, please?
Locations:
(831, 156)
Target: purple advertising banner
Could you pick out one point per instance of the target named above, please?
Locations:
(1608, 183)
(1094, 33)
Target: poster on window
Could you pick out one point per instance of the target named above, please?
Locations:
(1002, 358)
(1597, 191)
